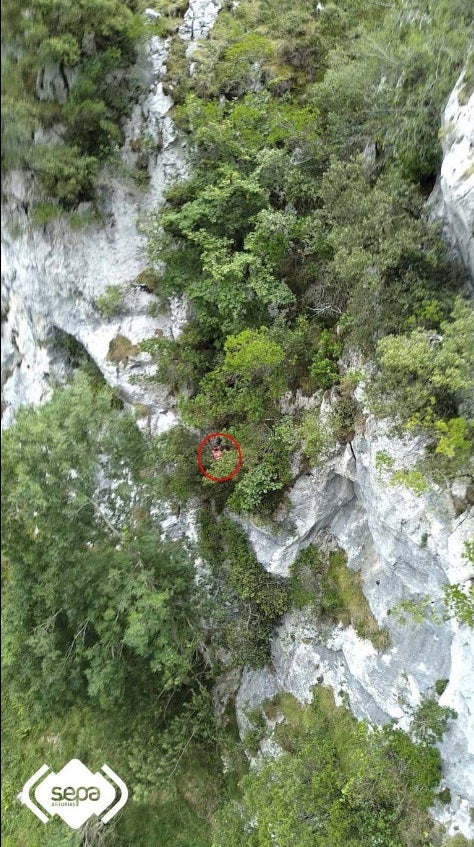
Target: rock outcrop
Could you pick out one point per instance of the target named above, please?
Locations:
(199, 19)
(54, 82)
(454, 196)
(53, 276)
(406, 547)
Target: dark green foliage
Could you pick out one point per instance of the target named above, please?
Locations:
(430, 721)
(391, 88)
(388, 267)
(468, 80)
(343, 414)
(424, 372)
(291, 248)
(175, 474)
(286, 235)
(241, 396)
(440, 686)
(102, 637)
(324, 369)
(181, 363)
(249, 579)
(246, 600)
(101, 598)
(65, 173)
(246, 386)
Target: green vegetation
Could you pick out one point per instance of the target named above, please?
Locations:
(293, 247)
(299, 239)
(110, 303)
(411, 479)
(458, 840)
(88, 48)
(61, 540)
(120, 349)
(459, 599)
(324, 582)
(245, 600)
(468, 80)
(103, 650)
(440, 686)
(430, 720)
(460, 602)
(338, 783)
(425, 376)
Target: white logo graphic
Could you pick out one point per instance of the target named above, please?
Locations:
(75, 793)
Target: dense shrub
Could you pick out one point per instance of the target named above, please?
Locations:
(65, 173)
(246, 601)
(338, 783)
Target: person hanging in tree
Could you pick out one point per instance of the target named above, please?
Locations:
(219, 448)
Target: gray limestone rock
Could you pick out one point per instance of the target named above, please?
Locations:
(199, 19)
(406, 548)
(453, 199)
(54, 82)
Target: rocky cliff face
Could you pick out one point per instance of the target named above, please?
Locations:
(454, 197)
(54, 275)
(405, 547)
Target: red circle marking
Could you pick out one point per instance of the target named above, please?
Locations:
(201, 466)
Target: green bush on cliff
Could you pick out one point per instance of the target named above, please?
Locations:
(337, 783)
(97, 39)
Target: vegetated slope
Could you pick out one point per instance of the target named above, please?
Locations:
(301, 235)
(76, 57)
(291, 248)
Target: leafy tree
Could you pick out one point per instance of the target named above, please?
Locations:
(423, 373)
(324, 369)
(90, 127)
(430, 720)
(459, 599)
(65, 173)
(393, 88)
(96, 604)
(246, 385)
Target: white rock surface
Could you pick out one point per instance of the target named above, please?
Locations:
(199, 19)
(406, 548)
(152, 15)
(53, 276)
(455, 198)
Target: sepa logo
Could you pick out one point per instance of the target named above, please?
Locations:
(75, 794)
